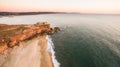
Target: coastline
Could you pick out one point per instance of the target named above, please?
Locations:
(43, 57)
(46, 57)
(12, 35)
(10, 47)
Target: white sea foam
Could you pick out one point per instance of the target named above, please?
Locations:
(51, 49)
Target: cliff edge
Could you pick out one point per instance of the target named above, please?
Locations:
(11, 35)
(25, 45)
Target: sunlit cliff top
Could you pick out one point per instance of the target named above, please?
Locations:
(11, 35)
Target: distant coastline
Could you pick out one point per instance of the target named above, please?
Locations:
(10, 14)
(27, 13)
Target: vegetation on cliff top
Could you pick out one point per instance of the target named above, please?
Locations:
(10, 35)
(11, 30)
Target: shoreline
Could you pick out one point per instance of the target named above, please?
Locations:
(9, 44)
(45, 59)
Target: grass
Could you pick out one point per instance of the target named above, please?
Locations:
(12, 32)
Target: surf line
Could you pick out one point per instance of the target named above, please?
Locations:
(50, 49)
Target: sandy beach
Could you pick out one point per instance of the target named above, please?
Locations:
(31, 53)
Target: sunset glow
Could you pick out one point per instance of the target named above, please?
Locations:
(82, 6)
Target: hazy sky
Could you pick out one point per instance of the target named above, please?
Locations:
(82, 6)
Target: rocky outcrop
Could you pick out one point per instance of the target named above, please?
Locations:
(12, 35)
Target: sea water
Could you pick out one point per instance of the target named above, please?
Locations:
(84, 40)
(50, 49)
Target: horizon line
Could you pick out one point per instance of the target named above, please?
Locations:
(57, 12)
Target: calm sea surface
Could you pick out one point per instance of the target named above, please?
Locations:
(84, 40)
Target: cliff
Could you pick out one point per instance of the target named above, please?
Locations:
(13, 35)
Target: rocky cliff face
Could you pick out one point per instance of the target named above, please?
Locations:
(25, 36)
(32, 53)
(11, 35)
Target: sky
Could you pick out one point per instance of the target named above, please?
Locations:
(80, 6)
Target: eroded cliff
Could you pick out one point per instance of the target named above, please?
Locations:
(19, 42)
(11, 35)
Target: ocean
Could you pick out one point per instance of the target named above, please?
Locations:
(85, 40)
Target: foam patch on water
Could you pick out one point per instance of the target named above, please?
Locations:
(51, 49)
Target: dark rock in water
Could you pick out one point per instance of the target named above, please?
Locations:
(56, 29)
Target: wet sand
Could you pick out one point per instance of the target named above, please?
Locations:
(46, 60)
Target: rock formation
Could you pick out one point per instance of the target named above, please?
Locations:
(11, 35)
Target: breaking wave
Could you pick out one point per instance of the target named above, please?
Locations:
(51, 50)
